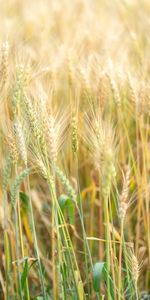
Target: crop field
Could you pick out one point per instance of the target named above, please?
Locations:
(74, 150)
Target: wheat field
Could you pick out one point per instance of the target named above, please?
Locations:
(75, 149)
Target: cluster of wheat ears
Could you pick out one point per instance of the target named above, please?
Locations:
(75, 149)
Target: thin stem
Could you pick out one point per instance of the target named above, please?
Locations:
(35, 240)
(53, 250)
(65, 234)
(106, 216)
(22, 247)
(17, 254)
(120, 262)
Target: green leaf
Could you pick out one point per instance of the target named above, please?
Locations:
(24, 273)
(111, 283)
(67, 204)
(25, 201)
(97, 274)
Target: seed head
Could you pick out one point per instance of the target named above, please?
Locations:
(20, 138)
(135, 269)
(52, 139)
(123, 205)
(74, 137)
(115, 91)
(5, 61)
(12, 148)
